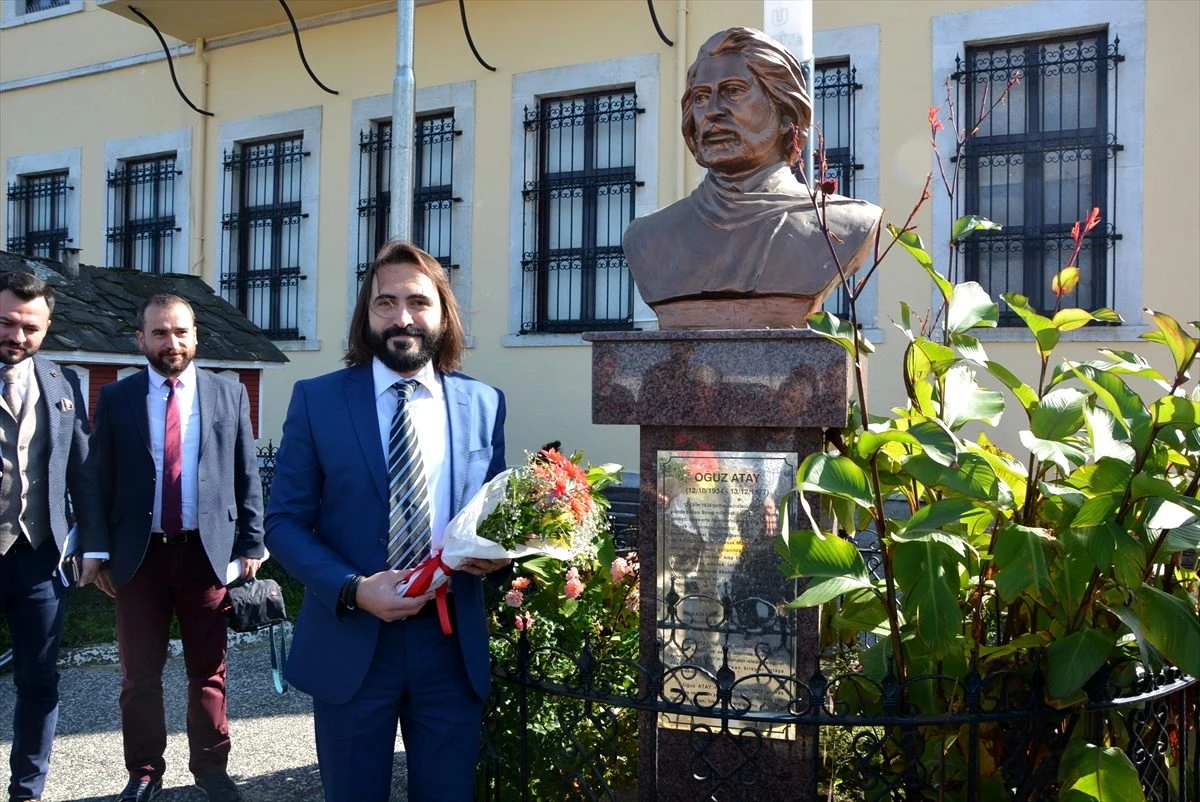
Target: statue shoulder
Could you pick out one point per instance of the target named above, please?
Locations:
(651, 230)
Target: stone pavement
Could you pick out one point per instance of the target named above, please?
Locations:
(274, 757)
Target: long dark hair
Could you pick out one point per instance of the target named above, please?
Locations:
(399, 252)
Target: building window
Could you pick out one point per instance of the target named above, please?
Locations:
(578, 198)
(38, 215)
(34, 6)
(141, 214)
(262, 232)
(1038, 163)
(834, 85)
(20, 12)
(433, 188)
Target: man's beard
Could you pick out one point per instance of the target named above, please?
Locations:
(24, 352)
(159, 362)
(409, 360)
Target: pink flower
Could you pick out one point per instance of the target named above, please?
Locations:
(523, 621)
(574, 586)
(620, 569)
(514, 598)
(521, 583)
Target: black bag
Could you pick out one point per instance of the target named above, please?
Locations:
(254, 605)
(258, 604)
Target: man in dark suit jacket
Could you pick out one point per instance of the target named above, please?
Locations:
(43, 445)
(365, 654)
(174, 457)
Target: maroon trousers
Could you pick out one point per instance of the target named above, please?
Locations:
(172, 580)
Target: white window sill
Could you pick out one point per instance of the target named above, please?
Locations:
(298, 345)
(1094, 333)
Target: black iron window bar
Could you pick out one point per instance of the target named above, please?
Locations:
(1038, 163)
(34, 6)
(834, 85)
(262, 233)
(433, 189)
(578, 199)
(141, 203)
(37, 215)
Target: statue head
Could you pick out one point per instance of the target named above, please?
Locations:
(745, 105)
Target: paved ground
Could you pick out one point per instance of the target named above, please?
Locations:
(274, 757)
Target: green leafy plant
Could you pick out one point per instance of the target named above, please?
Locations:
(1060, 568)
(576, 624)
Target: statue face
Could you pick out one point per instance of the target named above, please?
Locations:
(738, 127)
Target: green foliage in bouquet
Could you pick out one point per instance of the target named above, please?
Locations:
(1062, 564)
(560, 610)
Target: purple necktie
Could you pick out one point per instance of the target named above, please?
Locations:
(171, 517)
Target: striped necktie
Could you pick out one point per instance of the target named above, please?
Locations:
(408, 495)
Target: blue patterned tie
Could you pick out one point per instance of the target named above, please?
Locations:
(408, 494)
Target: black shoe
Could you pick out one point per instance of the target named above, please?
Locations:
(140, 791)
(219, 787)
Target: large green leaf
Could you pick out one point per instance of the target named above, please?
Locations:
(1096, 510)
(1182, 345)
(972, 477)
(936, 439)
(968, 224)
(862, 611)
(1150, 658)
(835, 476)
(927, 569)
(1063, 454)
(833, 328)
(824, 557)
(1022, 562)
(1171, 410)
(1023, 392)
(1071, 661)
(966, 402)
(870, 442)
(1109, 437)
(970, 306)
(1170, 625)
(1044, 332)
(911, 241)
(1059, 414)
(1116, 395)
(1091, 773)
(934, 517)
(1105, 475)
(820, 591)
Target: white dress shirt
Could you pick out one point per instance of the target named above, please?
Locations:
(427, 408)
(189, 423)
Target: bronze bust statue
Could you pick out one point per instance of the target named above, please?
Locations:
(745, 249)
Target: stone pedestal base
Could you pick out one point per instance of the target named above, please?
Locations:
(703, 398)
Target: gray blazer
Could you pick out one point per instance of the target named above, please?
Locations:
(68, 446)
(121, 464)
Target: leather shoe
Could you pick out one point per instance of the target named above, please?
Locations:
(219, 787)
(140, 791)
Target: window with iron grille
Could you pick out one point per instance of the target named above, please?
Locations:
(578, 197)
(34, 6)
(262, 233)
(1039, 162)
(38, 215)
(433, 188)
(141, 212)
(834, 84)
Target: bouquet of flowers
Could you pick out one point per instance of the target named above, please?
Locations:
(552, 506)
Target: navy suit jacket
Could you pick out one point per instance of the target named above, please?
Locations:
(68, 449)
(328, 519)
(121, 462)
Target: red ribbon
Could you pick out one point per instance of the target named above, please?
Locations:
(423, 576)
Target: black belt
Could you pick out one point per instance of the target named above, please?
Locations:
(180, 537)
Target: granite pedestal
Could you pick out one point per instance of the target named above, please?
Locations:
(719, 412)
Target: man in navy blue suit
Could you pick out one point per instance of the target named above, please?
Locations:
(43, 445)
(366, 655)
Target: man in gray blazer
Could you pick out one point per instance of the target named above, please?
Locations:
(174, 457)
(43, 445)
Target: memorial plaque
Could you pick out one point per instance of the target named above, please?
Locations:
(720, 591)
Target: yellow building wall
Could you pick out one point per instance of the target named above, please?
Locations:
(547, 387)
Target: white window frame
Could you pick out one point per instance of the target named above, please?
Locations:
(68, 159)
(149, 146)
(953, 33)
(860, 44)
(11, 15)
(307, 123)
(529, 88)
(459, 99)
